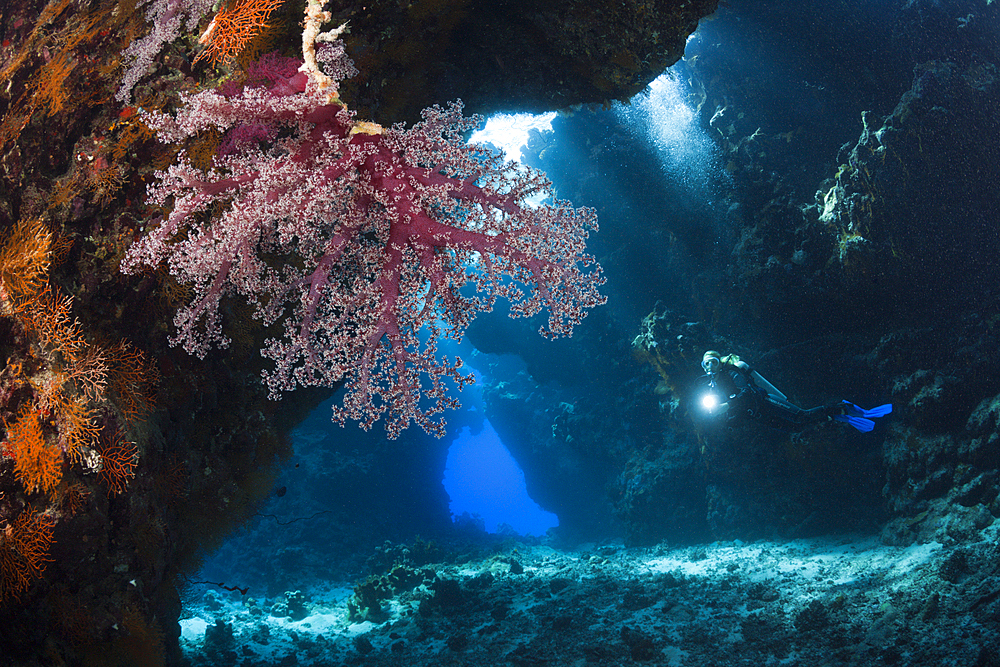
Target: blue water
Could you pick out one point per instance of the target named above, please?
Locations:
(482, 478)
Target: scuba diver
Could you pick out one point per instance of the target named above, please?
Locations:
(737, 391)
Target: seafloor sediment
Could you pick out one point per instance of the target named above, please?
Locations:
(831, 601)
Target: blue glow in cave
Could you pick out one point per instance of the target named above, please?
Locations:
(481, 477)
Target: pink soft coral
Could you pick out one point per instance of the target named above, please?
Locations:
(368, 244)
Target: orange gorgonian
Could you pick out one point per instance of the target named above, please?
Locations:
(234, 27)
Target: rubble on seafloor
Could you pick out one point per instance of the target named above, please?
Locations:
(846, 600)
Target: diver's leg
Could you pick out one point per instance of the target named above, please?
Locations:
(793, 414)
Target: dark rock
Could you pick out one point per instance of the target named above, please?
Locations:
(557, 584)
(500, 611)
(363, 646)
(762, 592)
(457, 642)
(562, 622)
(513, 56)
(219, 643)
(447, 593)
(634, 600)
(814, 617)
(295, 603)
(641, 646)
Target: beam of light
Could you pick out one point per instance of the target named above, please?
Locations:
(664, 117)
(509, 132)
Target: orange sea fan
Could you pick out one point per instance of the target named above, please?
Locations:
(142, 642)
(24, 263)
(75, 498)
(24, 550)
(118, 461)
(48, 386)
(37, 464)
(76, 427)
(234, 27)
(129, 134)
(131, 379)
(48, 315)
(89, 371)
(50, 89)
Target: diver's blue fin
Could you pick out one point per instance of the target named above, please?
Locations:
(874, 413)
(860, 423)
(880, 411)
(860, 418)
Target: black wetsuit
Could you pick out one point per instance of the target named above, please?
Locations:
(747, 400)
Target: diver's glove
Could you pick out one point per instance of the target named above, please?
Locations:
(860, 418)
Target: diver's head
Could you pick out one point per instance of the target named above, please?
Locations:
(711, 362)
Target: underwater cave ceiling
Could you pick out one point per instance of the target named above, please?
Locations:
(511, 56)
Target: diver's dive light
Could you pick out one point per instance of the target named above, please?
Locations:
(710, 400)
